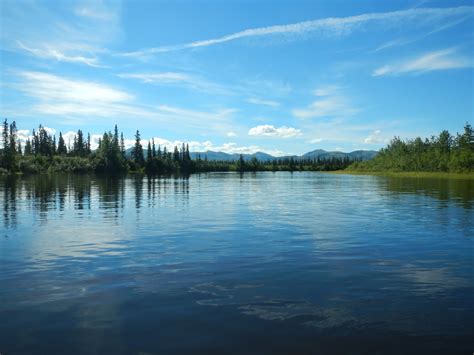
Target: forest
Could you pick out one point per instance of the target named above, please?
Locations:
(43, 153)
(442, 153)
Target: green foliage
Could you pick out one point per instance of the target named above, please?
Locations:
(108, 157)
(444, 153)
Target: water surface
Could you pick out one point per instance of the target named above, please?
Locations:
(226, 263)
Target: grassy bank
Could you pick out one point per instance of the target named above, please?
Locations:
(409, 174)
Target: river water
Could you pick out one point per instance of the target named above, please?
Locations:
(223, 263)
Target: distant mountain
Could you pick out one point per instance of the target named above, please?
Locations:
(357, 154)
(261, 156)
(322, 154)
(229, 157)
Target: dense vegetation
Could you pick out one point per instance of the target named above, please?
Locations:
(442, 153)
(43, 153)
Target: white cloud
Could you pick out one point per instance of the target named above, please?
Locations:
(42, 31)
(51, 87)
(50, 131)
(96, 11)
(375, 138)
(23, 134)
(179, 79)
(63, 96)
(231, 134)
(221, 114)
(196, 146)
(437, 60)
(257, 101)
(316, 140)
(326, 26)
(329, 106)
(158, 78)
(272, 131)
(327, 90)
(60, 54)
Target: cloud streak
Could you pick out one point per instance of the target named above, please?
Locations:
(329, 103)
(60, 55)
(326, 26)
(438, 60)
(258, 101)
(177, 79)
(56, 95)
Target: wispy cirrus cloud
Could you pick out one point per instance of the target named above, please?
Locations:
(404, 41)
(57, 95)
(220, 114)
(62, 54)
(327, 90)
(259, 101)
(325, 26)
(437, 60)
(272, 131)
(83, 100)
(178, 79)
(96, 10)
(330, 102)
(42, 30)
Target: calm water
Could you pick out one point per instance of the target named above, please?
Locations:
(301, 263)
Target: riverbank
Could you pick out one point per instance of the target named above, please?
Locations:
(409, 174)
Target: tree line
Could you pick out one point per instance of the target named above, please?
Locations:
(42, 152)
(442, 153)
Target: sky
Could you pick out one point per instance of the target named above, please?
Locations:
(282, 77)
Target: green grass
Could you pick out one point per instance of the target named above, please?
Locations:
(409, 174)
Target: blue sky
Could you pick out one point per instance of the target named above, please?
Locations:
(284, 77)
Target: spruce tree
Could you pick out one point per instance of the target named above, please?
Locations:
(62, 150)
(28, 147)
(137, 152)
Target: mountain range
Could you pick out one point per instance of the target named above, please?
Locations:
(261, 156)
(319, 153)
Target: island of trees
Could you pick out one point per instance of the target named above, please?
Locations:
(42, 153)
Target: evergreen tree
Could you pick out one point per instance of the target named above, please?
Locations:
(176, 154)
(5, 138)
(79, 144)
(240, 163)
(54, 145)
(122, 145)
(13, 138)
(35, 143)
(88, 144)
(149, 153)
(62, 150)
(28, 147)
(9, 143)
(137, 153)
